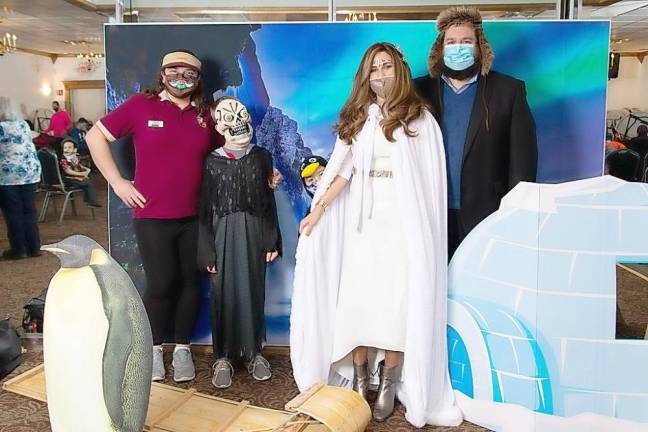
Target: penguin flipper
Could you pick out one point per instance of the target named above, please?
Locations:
(127, 359)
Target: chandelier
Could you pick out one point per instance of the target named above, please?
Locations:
(8, 44)
(86, 63)
(368, 16)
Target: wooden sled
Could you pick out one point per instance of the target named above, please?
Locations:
(171, 409)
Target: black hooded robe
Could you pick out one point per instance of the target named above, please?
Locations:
(238, 226)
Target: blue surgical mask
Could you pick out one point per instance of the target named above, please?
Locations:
(459, 56)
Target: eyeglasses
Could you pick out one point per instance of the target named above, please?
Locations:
(189, 74)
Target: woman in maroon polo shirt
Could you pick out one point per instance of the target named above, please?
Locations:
(173, 133)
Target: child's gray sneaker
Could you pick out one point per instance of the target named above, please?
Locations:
(260, 368)
(223, 373)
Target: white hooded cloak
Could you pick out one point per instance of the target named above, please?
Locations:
(419, 170)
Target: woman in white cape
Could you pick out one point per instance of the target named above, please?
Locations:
(370, 287)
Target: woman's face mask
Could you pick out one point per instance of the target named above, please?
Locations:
(382, 86)
(459, 56)
(381, 77)
(181, 81)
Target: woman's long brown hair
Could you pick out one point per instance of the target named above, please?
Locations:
(401, 107)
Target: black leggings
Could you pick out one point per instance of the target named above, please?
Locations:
(169, 252)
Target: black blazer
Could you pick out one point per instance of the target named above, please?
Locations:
(500, 149)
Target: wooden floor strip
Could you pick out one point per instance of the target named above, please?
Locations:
(634, 272)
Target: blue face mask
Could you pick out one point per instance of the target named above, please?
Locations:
(459, 56)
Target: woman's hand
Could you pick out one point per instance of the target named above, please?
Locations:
(212, 269)
(126, 191)
(308, 223)
(271, 256)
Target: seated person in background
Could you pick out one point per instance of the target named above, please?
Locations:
(640, 142)
(40, 139)
(78, 133)
(612, 145)
(76, 174)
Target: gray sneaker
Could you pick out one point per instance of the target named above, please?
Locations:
(223, 373)
(183, 366)
(158, 364)
(260, 368)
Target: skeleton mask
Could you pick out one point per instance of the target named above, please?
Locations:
(233, 122)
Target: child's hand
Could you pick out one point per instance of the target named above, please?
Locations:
(276, 179)
(271, 256)
(212, 269)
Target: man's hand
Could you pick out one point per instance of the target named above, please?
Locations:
(271, 256)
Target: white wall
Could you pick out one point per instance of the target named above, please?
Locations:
(23, 79)
(88, 103)
(630, 89)
(27, 78)
(67, 69)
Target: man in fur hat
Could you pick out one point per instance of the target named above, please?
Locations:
(488, 130)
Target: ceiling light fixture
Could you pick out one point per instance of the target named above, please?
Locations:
(362, 16)
(8, 44)
(86, 63)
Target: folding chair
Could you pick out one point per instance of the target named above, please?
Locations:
(624, 164)
(54, 185)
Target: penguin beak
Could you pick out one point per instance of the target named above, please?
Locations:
(54, 250)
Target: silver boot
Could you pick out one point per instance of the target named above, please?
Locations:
(389, 379)
(361, 379)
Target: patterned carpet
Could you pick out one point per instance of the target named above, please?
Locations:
(20, 414)
(25, 279)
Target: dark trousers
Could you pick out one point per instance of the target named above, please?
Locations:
(456, 232)
(17, 204)
(169, 254)
(89, 192)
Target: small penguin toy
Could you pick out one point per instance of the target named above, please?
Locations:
(96, 343)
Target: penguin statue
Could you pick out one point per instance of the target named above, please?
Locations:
(96, 343)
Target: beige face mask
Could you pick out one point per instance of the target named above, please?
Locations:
(382, 86)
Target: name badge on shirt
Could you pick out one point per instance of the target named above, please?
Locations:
(155, 124)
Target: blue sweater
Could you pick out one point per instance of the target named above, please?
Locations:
(457, 109)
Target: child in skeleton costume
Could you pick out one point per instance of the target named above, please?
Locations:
(371, 275)
(239, 235)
